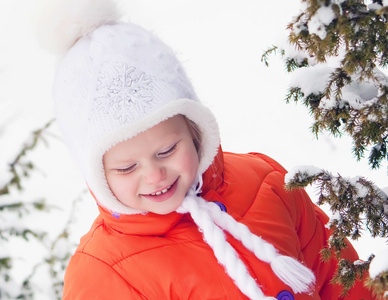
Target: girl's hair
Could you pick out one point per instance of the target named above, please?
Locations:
(195, 134)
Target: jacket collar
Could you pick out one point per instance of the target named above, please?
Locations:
(140, 224)
(213, 177)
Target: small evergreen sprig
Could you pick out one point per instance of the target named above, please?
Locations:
(60, 249)
(357, 204)
(379, 285)
(20, 168)
(56, 250)
(348, 272)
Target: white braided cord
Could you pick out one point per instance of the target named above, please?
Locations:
(263, 250)
(286, 268)
(212, 221)
(223, 251)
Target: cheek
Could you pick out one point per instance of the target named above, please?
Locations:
(189, 163)
(121, 186)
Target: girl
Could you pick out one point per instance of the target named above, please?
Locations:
(179, 218)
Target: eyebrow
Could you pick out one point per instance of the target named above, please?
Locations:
(173, 138)
(120, 164)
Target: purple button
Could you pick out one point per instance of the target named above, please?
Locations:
(220, 205)
(285, 295)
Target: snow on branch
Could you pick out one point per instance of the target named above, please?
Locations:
(349, 199)
(357, 204)
(378, 272)
(336, 52)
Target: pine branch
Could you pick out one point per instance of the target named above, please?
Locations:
(357, 204)
(59, 251)
(18, 164)
(268, 52)
(58, 263)
(348, 272)
(356, 37)
(350, 199)
(379, 285)
(361, 35)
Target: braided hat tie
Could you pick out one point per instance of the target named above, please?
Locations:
(212, 222)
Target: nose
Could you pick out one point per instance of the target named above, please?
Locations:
(154, 173)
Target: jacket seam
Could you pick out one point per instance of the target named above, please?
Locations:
(153, 248)
(257, 192)
(111, 267)
(295, 225)
(88, 240)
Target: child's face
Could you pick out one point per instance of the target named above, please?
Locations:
(154, 170)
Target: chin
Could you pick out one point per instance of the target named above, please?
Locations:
(167, 209)
(162, 213)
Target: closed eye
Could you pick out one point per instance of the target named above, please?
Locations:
(127, 170)
(168, 152)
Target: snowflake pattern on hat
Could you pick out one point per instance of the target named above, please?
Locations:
(123, 92)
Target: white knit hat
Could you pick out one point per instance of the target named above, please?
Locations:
(117, 80)
(114, 83)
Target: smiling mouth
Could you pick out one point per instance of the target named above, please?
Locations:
(162, 191)
(164, 194)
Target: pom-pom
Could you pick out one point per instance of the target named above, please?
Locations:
(61, 23)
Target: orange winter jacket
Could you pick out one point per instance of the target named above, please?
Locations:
(164, 256)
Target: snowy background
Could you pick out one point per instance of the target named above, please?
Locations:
(220, 43)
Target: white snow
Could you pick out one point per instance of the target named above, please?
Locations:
(220, 43)
(379, 264)
(374, 6)
(360, 94)
(311, 80)
(319, 20)
(303, 170)
(358, 262)
(362, 191)
(334, 217)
